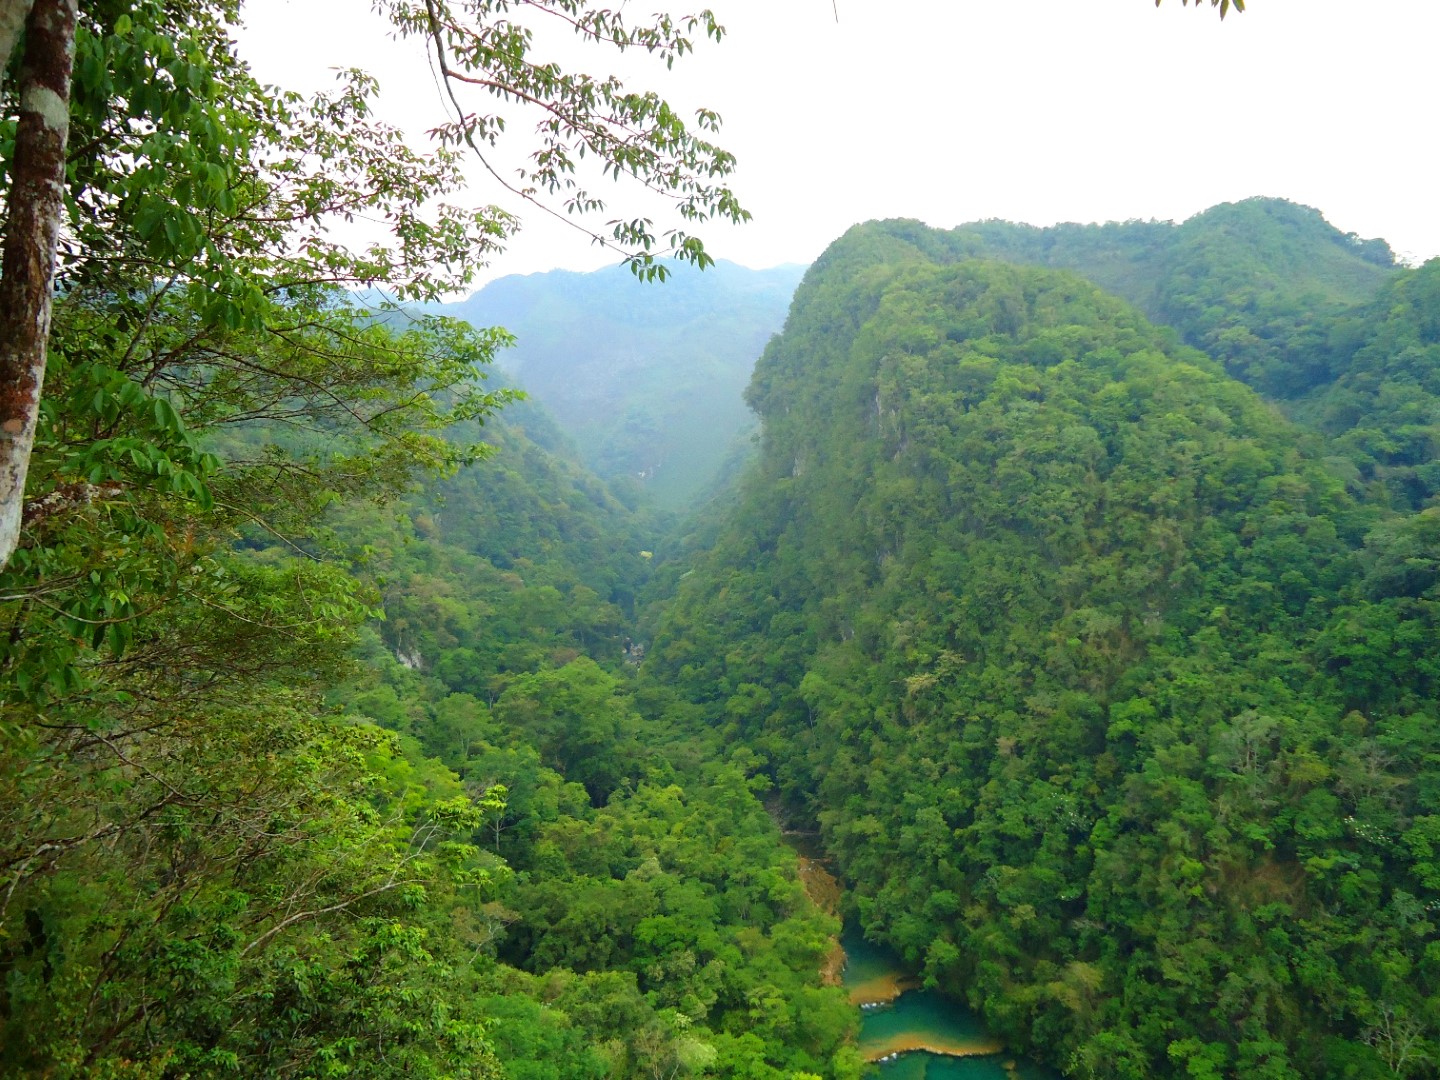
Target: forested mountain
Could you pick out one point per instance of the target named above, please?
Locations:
(1289, 304)
(647, 380)
(1251, 283)
(350, 727)
(330, 746)
(1380, 398)
(1113, 692)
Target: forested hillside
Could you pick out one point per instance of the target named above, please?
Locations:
(1253, 283)
(352, 727)
(641, 917)
(1289, 304)
(647, 382)
(453, 830)
(1113, 692)
(319, 753)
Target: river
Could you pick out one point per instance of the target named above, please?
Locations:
(909, 1033)
(916, 1034)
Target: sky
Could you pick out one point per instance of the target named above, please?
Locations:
(957, 110)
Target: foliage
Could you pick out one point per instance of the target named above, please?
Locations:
(1253, 283)
(197, 856)
(207, 866)
(1113, 692)
(1381, 401)
(488, 50)
(1115, 708)
(1223, 5)
(500, 659)
(1323, 322)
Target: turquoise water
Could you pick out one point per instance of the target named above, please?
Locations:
(990, 1067)
(924, 1012)
(925, 1016)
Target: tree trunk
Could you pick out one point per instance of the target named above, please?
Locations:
(27, 275)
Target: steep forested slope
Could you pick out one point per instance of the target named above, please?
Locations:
(306, 772)
(1116, 707)
(643, 917)
(1381, 400)
(1320, 321)
(646, 379)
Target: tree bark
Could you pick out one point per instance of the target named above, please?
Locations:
(27, 274)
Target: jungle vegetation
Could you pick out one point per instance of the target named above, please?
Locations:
(1113, 690)
(1082, 594)
(300, 766)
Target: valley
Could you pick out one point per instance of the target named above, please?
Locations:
(1077, 601)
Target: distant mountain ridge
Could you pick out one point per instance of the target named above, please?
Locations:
(1236, 280)
(645, 378)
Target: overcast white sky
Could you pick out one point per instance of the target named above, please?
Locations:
(1031, 110)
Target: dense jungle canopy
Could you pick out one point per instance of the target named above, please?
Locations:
(1112, 689)
(1080, 596)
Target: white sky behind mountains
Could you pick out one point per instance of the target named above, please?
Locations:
(955, 110)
